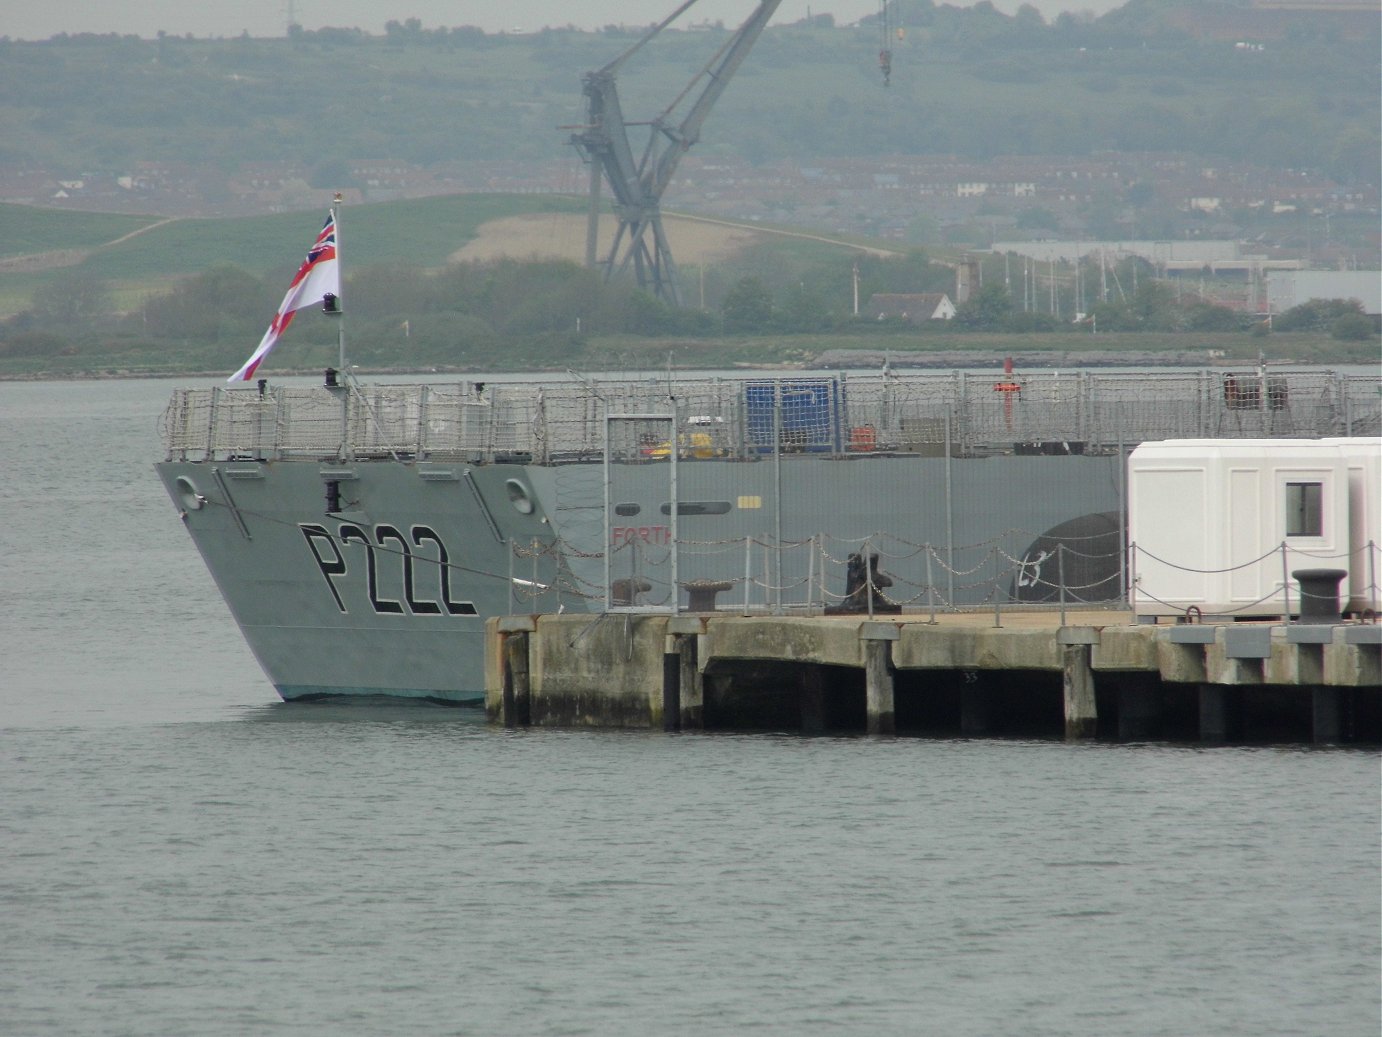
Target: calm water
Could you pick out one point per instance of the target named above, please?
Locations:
(180, 853)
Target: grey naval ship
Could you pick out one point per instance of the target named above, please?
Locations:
(363, 534)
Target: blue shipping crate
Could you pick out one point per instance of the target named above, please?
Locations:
(810, 414)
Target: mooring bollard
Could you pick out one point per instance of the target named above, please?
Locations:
(1319, 594)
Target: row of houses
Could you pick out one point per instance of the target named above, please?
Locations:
(821, 193)
(949, 187)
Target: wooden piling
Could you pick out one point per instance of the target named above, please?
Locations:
(685, 634)
(878, 677)
(517, 692)
(692, 684)
(1081, 714)
(974, 709)
(671, 685)
(812, 700)
(1326, 715)
(878, 682)
(1217, 719)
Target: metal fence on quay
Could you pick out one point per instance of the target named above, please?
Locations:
(885, 575)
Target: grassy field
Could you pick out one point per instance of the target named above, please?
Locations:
(423, 231)
(25, 230)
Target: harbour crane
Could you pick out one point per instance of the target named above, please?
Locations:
(885, 51)
(637, 185)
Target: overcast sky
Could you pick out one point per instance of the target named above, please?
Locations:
(39, 19)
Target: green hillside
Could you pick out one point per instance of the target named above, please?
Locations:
(25, 230)
(51, 253)
(971, 82)
(422, 232)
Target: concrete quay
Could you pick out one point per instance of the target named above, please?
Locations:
(1097, 675)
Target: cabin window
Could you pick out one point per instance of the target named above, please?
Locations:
(1304, 517)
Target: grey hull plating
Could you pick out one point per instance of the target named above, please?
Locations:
(357, 631)
(372, 617)
(361, 535)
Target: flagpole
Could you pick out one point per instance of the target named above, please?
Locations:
(340, 314)
(317, 280)
(334, 306)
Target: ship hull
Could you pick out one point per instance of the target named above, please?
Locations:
(352, 603)
(362, 535)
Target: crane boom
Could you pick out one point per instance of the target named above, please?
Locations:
(637, 185)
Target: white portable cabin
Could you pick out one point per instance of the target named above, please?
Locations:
(1220, 524)
(1363, 455)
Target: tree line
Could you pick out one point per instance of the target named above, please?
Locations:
(969, 81)
(500, 312)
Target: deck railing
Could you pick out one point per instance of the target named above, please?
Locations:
(961, 413)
